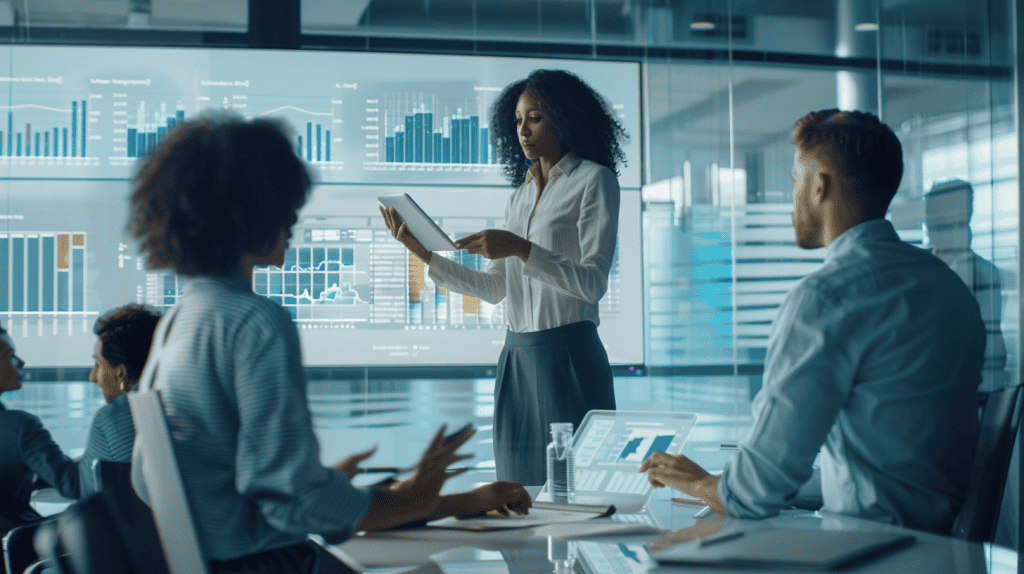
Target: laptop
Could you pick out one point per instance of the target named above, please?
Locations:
(608, 448)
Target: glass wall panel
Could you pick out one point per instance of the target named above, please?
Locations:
(190, 15)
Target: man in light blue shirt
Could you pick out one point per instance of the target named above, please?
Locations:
(874, 360)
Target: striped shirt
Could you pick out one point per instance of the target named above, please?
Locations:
(228, 367)
(111, 437)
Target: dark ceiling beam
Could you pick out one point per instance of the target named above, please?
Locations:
(275, 24)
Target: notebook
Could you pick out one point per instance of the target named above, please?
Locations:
(784, 547)
(608, 448)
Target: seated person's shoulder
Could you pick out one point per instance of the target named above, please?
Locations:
(9, 418)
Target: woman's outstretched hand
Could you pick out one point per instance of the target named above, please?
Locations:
(496, 244)
(418, 497)
(399, 231)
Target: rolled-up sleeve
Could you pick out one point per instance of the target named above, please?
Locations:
(278, 457)
(598, 228)
(807, 382)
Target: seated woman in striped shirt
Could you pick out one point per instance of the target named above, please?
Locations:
(216, 198)
(123, 338)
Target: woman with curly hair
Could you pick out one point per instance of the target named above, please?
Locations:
(560, 145)
(216, 198)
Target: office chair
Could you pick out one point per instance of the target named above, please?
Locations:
(166, 491)
(1000, 418)
(111, 532)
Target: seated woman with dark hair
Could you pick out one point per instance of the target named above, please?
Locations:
(27, 451)
(123, 338)
(217, 197)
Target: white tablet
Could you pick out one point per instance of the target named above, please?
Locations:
(419, 223)
(609, 447)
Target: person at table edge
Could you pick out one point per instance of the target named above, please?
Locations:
(877, 356)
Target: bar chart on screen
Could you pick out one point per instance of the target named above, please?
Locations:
(424, 130)
(43, 273)
(35, 132)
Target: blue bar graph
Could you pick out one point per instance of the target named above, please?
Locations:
(84, 120)
(49, 268)
(309, 141)
(410, 137)
(78, 278)
(399, 147)
(474, 140)
(42, 272)
(4, 254)
(143, 136)
(18, 274)
(74, 129)
(63, 284)
(32, 274)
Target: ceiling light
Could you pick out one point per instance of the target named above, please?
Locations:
(702, 25)
(866, 27)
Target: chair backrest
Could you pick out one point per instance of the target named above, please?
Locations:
(1000, 417)
(166, 492)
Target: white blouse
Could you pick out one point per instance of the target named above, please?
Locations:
(573, 234)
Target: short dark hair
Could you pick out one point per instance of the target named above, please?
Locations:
(860, 147)
(127, 333)
(584, 121)
(216, 188)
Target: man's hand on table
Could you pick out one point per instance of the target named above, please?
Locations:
(683, 474)
(496, 499)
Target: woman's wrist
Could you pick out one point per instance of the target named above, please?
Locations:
(524, 250)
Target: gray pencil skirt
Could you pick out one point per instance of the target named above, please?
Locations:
(544, 377)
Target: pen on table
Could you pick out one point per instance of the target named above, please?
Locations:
(689, 501)
(383, 470)
(705, 542)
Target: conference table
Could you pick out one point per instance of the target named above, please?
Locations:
(564, 549)
(535, 550)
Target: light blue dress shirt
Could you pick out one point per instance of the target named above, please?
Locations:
(877, 356)
(228, 367)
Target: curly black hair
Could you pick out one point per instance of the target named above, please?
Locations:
(585, 124)
(127, 333)
(215, 189)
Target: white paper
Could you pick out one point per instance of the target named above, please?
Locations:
(536, 517)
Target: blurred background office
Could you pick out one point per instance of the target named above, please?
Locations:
(721, 83)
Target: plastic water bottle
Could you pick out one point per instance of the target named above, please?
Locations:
(561, 468)
(562, 554)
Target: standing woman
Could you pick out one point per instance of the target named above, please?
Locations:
(560, 144)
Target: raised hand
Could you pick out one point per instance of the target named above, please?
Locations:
(350, 465)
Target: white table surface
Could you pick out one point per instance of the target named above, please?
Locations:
(524, 552)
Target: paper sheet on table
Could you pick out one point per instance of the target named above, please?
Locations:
(540, 515)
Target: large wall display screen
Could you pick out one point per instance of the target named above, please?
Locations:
(74, 121)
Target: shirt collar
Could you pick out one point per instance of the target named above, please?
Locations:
(566, 165)
(871, 230)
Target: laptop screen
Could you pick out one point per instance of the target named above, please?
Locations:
(610, 445)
